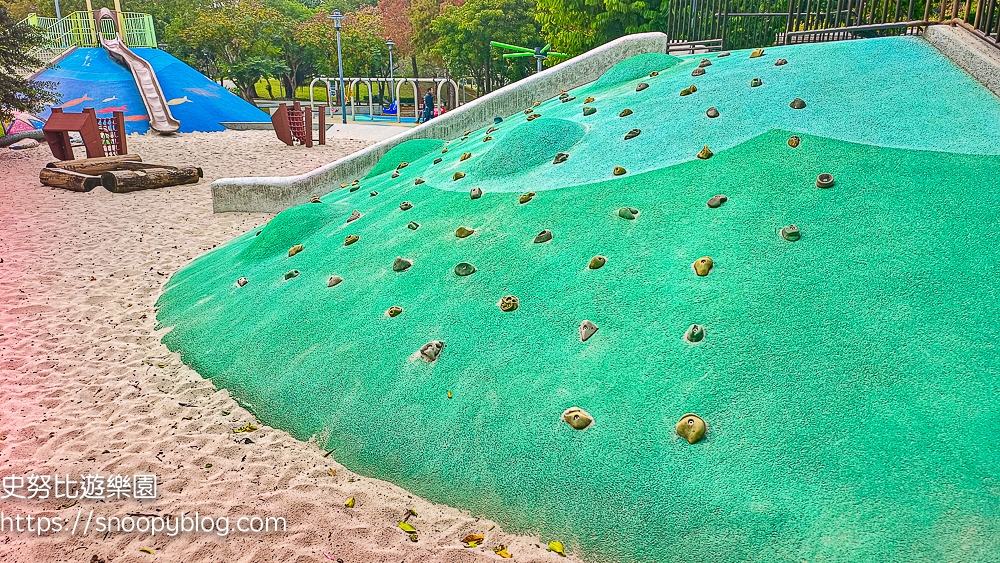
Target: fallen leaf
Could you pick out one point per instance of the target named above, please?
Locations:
(247, 428)
(557, 547)
(349, 503)
(472, 538)
(147, 550)
(208, 465)
(501, 550)
(407, 527)
(472, 544)
(333, 473)
(161, 365)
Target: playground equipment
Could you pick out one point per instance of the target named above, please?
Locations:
(395, 83)
(295, 125)
(118, 174)
(102, 136)
(540, 53)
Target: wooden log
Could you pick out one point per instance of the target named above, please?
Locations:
(122, 181)
(59, 178)
(94, 165)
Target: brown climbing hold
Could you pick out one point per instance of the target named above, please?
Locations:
(587, 329)
(544, 236)
(490, 130)
(705, 153)
(698, 71)
(401, 264)
(465, 156)
(405, 206)
(463, 232)
(334, 280)
(241, 282)
(597, 262)
(641, 86)
(704, 63)
(444, 150)
(577, 418)
(351, 239)
(756, 53)
(402, 165)
(625, 113)
(438, 160)
(528, 111)
(588, 100)
(589, 110)
(824, 181)
(691, 427)
(509, 303)
(476, 193)
(534, 116)
(797, 103)
(654, 73)
(717, 201)
(756, 82)
(457, 176)
(418, 181)
(432, 350)
(780, 62)
(794, 141)
(712, 113)
(487, 138)
(295, 250)
(315, 199)
(395, 174)
(394, 311)
(526, 197)
(632, 134)
(354, 216)
(618, 171)
(703, 266)
(560, 158)
(536, 104)
(722, 54)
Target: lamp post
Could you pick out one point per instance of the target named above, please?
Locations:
(392, 77)
(336, 16)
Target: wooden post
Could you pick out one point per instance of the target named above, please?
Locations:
(322, 125)
(119, 117)
(122, 181)
(307, 125)
(59, 178)
(94, 165)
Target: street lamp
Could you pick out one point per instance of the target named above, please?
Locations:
(336, 16)
(392, 78)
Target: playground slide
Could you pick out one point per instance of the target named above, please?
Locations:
(160, 118)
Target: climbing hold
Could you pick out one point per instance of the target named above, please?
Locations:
(686, 92)
(824, 181)
(402, 165)
(401, 264)
(295, 250)
(395, 174)
(629, 213)
(632, 134)
(444, 150)
(334, 280)
(654, 73)
(354, 189)
(536, 104)
(618, 171)
(791, 233)
(703, 266)
(351, 239)
(756, 82)
(527, 111)
(722, 54)
(241, 282)
(432, 350)
(418, 181)
(587, 329)
(588, 100)
(568, 99)
(641, 86)
(413, 225)
(717, 201)
(526, 197)
(560, 157)
(780, 62)
(797, 103)
(315, 199)
(406, 206)
(578, 419)
(589, 110)
(625, 113)
(457, 176)
(291, 274)
(490, 130)
(695, 333)
(712, 112)
(597, 262)
(394, 311)
(704, 63)
(794, 141)
(464, 269)
(756, 53)
(438, 160)
(705, 153)
(465, 156)
(476, 193)
(487, 138)
(534, 116)
(691, 427)
(463, 232)
(508, 303)
(698, 71)
(372, 193)
(544, 236)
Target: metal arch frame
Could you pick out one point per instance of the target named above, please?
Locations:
(399, 81)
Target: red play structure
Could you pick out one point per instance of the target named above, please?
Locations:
(102, 136)
(295, 125)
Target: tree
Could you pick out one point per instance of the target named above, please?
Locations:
(396, 22)
(17, 93)
(578, 25)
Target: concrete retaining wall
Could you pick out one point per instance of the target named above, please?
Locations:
(274, 194)
(969, 52)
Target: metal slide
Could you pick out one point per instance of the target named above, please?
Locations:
(160, 118)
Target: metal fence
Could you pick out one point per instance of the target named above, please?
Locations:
(77, 29)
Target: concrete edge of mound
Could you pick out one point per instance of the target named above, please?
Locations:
(275, 194)
(969, 52)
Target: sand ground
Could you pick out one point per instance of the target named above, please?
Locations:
(87, 387)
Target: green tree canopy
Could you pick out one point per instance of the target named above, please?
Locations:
(17, 93)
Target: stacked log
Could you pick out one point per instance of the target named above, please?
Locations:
(118, 174)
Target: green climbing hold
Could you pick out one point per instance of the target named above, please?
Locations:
(464, 269)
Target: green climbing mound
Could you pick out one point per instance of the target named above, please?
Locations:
(529, 144)
(847, 379)
(407, 151)
(635, 68)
